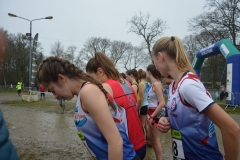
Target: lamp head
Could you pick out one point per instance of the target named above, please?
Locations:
(49, 17)
(12, 15)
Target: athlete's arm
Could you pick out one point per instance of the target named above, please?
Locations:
(229, 129)
(135, 88)
(108, 88)
(94, 101)
(158, 89)
(141, 93)
(197, 97)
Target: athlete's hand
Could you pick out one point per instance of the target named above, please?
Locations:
(150, 120)
(163, 125)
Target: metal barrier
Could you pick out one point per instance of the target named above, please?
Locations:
(230, 100)
(214, 94)
(8, 87)
(236, 99)
(233, 99)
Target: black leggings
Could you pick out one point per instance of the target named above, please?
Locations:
(144, 110)
(136, 157)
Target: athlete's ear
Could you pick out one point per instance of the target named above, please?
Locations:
(100, 71)
(161, 56)
(61, 79)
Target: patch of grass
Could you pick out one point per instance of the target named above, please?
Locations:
(8, 91)
(15, 91)
(31, 104)
(230, 109)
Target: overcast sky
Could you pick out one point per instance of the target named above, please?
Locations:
(74, 21)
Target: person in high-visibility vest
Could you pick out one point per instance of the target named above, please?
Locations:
(19, 88)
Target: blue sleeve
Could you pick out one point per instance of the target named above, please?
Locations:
(7, 150)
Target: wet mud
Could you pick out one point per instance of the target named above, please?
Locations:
(44, 133)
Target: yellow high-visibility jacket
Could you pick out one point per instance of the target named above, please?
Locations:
(19, 85)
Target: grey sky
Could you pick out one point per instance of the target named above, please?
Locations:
(74, 21)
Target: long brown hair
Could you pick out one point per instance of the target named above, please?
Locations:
(155, 73)
(133, 72)
(141, 74)
(52, 66)
(173, 47)
(108, 66)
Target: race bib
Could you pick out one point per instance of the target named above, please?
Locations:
(81, 136)
(177, 147)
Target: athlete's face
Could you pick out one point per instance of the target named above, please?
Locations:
(159, 61)
(61, 89)
(168, 81)
(129, 78)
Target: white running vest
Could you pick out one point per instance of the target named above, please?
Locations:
(193, 133)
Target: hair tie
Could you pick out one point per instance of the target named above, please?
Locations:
(172, 38)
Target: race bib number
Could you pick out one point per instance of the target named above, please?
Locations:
(177, 147)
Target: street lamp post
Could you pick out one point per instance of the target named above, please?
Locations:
(30, 43)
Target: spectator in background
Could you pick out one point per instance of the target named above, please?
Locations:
(222, 92)
(42, 92)
(19, 88)
(11, 86)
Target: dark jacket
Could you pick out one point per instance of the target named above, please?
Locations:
(7, 150)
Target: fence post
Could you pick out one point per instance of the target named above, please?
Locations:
(237, 99)
(232, 100)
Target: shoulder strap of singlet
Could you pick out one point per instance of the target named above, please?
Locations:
(137, 86)
(83, 84)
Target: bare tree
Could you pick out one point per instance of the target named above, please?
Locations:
(17, 59)
(79, 62)
(3, 46)
(70, 53)
(57, 49)
(134, 58)
(191, 46)
(140, 25)
(222, 19)
(93, 45)
(14, 58)
(117, 50)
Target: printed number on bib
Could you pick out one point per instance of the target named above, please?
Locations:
(177, 147)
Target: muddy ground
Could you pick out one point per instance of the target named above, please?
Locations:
(44, 133)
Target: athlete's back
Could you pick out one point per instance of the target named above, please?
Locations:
(124, 96)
